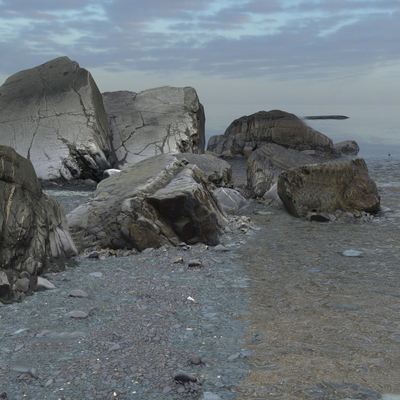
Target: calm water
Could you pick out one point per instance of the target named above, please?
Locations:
(375, 128)
(325, 325)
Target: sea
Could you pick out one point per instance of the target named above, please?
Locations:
(376, 128)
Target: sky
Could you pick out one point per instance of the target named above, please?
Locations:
(232, 52)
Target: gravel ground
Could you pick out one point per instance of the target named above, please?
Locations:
(138, 320)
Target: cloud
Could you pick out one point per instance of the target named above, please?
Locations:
(280, 39)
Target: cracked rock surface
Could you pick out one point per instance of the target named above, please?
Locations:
(54, 115)
(156, 121)
(33, 228)
(152, 203)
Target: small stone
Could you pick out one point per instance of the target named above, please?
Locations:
(77, 314)
(148, 250)
(114, 347)
(34, 373)
(167, 389)
(49, 382)
(194, 263)
(3, 395)
(44, 284)
(178, 260)
(183, 376)
(78, 293)
(194, 359)
(220, 248)
(93, 254)
(352, 253)
(96, 274)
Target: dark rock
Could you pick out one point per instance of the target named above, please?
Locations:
(195, 359)
(53, 115)
(250, 132)
(34, 235)
(343, 185)
(326, 117)
(155, 202)
(183, 376)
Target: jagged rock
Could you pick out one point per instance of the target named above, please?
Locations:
(53, 115)
(266, 163)
(156, 121)
(157, 201)
(34, 235)
(218, 171)
(250, 132)
(343, 185)
(231, 200)
(347, 147)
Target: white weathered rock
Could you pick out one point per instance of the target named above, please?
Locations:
(343, 185)
(53, 115)
(44, 284)
(156, 121)
(155, 202)
(231, 200)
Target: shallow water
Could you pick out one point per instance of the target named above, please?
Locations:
(325, 321)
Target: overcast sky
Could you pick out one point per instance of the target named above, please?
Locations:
(230, 51)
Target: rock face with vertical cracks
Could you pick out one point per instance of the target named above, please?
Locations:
(343, 185)
(157, 201)
(248, 133)
(34, 235)
(156, 121)
(54, 115)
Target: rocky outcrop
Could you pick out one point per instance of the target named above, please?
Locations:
(266, 163)
(343, 185)
(156, 121)
(54, 116)
(232, 202)
(34, 234)
(157, 201)
(218, 171)
(250, 132)
(347, 147)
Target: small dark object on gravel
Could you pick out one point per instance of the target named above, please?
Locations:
(194, 359)
(3, 395)
(183, 376)
(194, 263)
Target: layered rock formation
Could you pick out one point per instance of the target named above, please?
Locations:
(34, 235)
(54, 116)
(156, 121)
(343, 185)
(266, 163)
(218, 171)
(157, 201)
(250, 132)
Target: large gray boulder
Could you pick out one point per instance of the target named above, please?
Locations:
(54, 116)
(343, 185)
(34, 235)
(156, 121)
(249, 132)
(218, 171)
(157, 201)
(266, 163)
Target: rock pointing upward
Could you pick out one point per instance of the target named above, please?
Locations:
(54, 116)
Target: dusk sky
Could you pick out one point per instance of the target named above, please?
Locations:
(230, 51)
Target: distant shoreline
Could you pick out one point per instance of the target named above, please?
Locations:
(326, 117)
